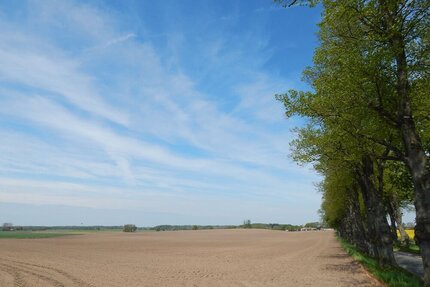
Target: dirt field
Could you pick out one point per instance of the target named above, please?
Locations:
(181, 258)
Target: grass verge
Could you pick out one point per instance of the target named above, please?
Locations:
(30, 234)
(412, 248)
(391, 276)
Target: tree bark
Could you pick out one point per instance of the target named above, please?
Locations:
(388, 200)
(360, 239)
(416, 162)
(378, 228)
(415, 157)
(404, 237)
(397, 217)
(393, 222)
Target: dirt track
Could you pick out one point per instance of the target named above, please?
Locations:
(181, 258)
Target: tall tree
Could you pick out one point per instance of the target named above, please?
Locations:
(378, 53)
(346, 163)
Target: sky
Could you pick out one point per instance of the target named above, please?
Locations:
(152, 112)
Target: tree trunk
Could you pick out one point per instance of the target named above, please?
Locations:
(404, 237)
(421, 178)
(369, 227)
(415, 157)
(392, 215)
(360, 238)
(379, 230)
(388, 200)
(397, 216)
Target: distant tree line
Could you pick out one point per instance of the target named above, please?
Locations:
(190, 227)
(368, 121)
(132, 227)
(273, 226)
(7, 226)
(246, 224)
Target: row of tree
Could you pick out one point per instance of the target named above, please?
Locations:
(275, 226)
(368, 120)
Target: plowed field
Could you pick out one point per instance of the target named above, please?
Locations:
(180, 258)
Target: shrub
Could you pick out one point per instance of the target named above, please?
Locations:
(129, 228)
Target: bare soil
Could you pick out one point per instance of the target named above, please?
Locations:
(181, 258)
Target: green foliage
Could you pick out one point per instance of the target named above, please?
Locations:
(189, 227)
(288, 227)
(398, 181)
(272, 226)
(392, 276)
(410, 248)
(313, 225)
(72, 227)
(353, 109)
(129, 228)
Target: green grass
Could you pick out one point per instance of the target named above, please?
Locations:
(32, 234)
(49, 233)
(412, 248)
(392, 276)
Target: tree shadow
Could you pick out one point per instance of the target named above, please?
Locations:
(336, 256)
(350, 267)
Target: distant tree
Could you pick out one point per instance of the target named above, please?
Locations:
(129, 228)
(7, 226)
(195, 227)
(247, 223)
(312, 224)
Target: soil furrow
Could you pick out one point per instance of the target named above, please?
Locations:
(49, 280)
(204, 258)
(17, 278)
(63, 273)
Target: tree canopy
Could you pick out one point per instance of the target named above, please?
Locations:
(368, 130)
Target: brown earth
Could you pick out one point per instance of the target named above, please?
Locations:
(181, 258)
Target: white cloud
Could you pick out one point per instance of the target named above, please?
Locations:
(114, 111)
(53, 74)
(118, 40)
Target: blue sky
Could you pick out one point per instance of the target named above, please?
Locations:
(152, 112)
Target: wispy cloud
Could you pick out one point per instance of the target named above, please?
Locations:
(119, 40)
(119, 121)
